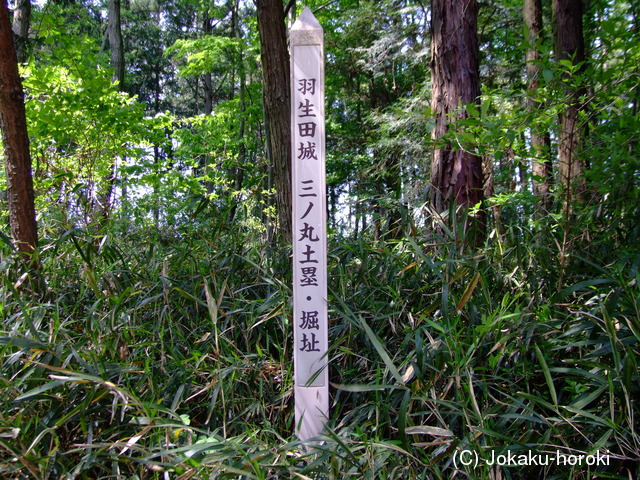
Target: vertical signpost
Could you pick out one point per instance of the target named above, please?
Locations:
(309, 227)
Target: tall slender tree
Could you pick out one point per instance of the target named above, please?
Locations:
(207, 77)
(114, 32)
(456, 173)
(237, 172)
(21, 24)
(15, 140)
(569, 45)
(275, 73)
(540, 140)
(116, 46)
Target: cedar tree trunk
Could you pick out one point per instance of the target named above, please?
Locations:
(275, 74)
(13, 123)
(569, 45)
(456, 173)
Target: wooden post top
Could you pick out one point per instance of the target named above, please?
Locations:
(306, 30)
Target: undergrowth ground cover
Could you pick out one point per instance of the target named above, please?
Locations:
(170, 358)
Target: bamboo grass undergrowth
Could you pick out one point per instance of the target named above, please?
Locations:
(176, 362)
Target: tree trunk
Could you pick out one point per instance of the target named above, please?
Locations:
(569, 45)
(636, 72)
(456, 174)
(540, 140)
(238, 171)
(206, 81)
(116, 47)
(21, 23)
(15, 140)
(114, 32)
(275, 73)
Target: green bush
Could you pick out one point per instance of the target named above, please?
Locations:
(140, 358)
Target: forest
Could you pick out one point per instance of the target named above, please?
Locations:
(483, 183)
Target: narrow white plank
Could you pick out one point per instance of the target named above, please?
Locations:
(309, 227)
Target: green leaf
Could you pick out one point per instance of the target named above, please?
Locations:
(38, 390)
(429, 430)
(547, 375)
(381, 351)
(582, 286)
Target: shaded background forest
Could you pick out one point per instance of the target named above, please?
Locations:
(183, 131)
(152, 339)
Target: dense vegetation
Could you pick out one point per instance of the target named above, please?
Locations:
(153, 337)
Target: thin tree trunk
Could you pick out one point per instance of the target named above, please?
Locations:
(275, 73)
(540, 140)
(238, 170)
(569, 45)
(207, 82)
(15, 140)
(636, 96)
(116, 47)
(116, 43)
(21, 23)
(456, 174)
(207, 90)
(156, 189)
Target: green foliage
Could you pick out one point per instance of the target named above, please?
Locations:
(204, 55)
(79, 125)
(156, 342)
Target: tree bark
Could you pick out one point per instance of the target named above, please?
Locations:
(116, 47)
(207, 81)
(238, 171)
(15, 140)
(116, 44)
(540, 140)
(21, 23)
(569, 45)
(456, 174)
(275, 74)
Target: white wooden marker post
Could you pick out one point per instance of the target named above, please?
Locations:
(310, 336)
